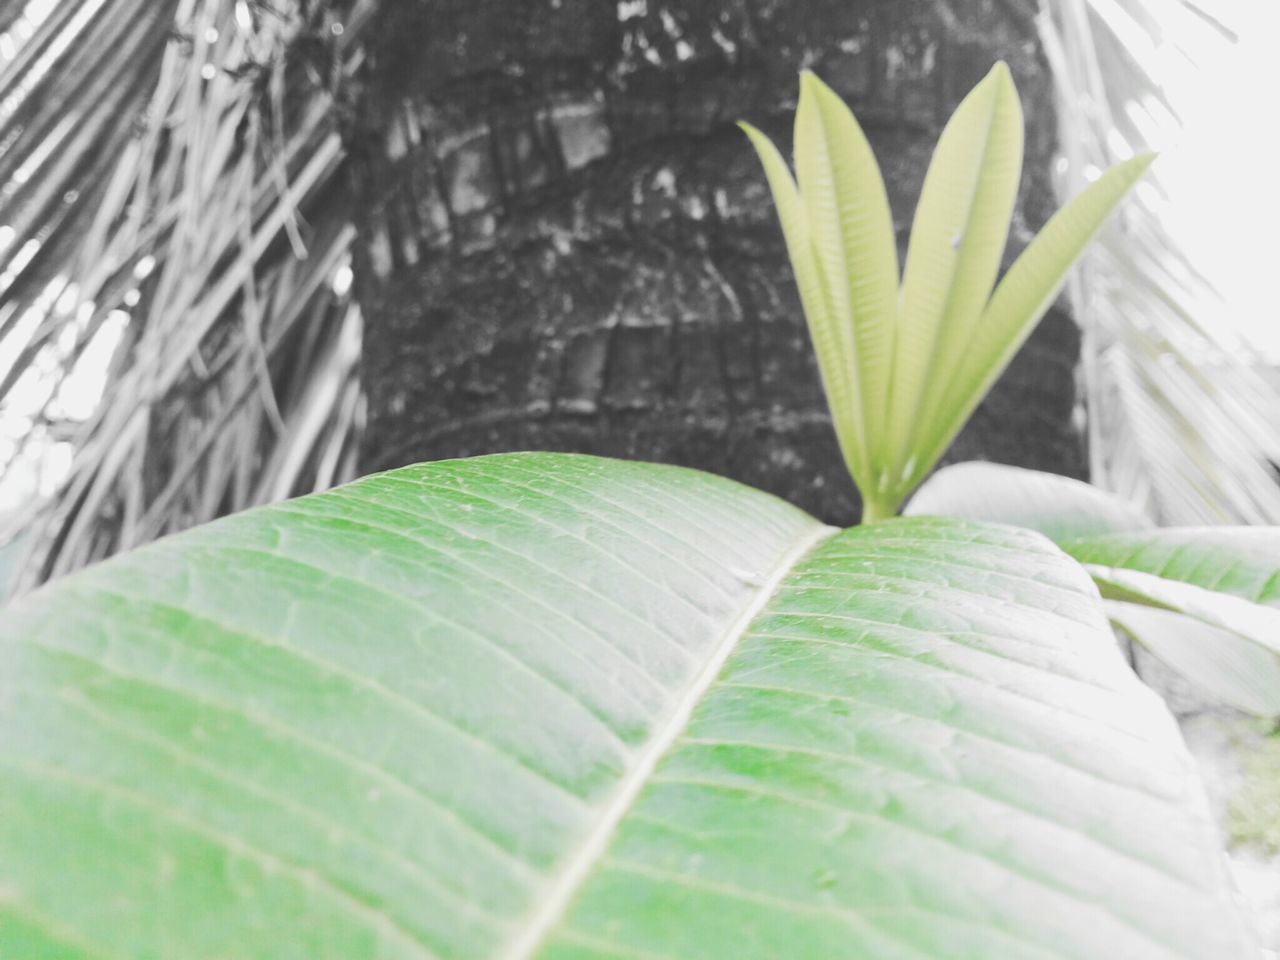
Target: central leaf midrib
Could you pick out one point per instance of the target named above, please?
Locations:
(577, 868)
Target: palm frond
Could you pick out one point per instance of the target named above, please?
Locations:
(204, 238)
(1182, 418)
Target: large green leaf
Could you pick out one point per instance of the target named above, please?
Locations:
(537, 705)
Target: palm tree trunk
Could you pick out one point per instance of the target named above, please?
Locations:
(565, 243)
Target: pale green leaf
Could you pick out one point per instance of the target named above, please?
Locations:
(1241, 561)
(831, 340)
(1059, 507)
(1021, 300)
(852, 228)
(1252, 620)
(1220, 580)
(1215, 590)
(540, 705)
(1229, 667)
(957, 240)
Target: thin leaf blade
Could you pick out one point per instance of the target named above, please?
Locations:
(1023, 297)
(957, 240)
(832, 344)
(852, 228)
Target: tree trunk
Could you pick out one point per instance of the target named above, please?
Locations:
(567, 244)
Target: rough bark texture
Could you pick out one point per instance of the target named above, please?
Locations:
(567, 244)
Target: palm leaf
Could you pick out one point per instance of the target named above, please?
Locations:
(214, 228)
(1182, 417)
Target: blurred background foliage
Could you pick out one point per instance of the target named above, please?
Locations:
(178, 339)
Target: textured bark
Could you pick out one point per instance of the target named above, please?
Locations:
(567, 244)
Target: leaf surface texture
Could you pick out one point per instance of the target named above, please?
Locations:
(539, 705)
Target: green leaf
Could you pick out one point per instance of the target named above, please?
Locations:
(1224, 582)
(1021, 300)
(1231, 668)
(1206, 601)
(1260, 623)
(852, 230)
(552, 706)
(957, 240)
(1241, 561)
(1059, 507)
(832, 339)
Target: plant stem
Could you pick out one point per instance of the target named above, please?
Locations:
(876, 511)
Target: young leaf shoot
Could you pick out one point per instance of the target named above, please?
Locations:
(905, 363)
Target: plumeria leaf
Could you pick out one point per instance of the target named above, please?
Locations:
(957, 240)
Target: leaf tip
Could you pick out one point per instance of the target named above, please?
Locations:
(764, 147)
(1002, 78)
(812, 85)
(1143, 161)
(809, 83)
(1132, 170)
